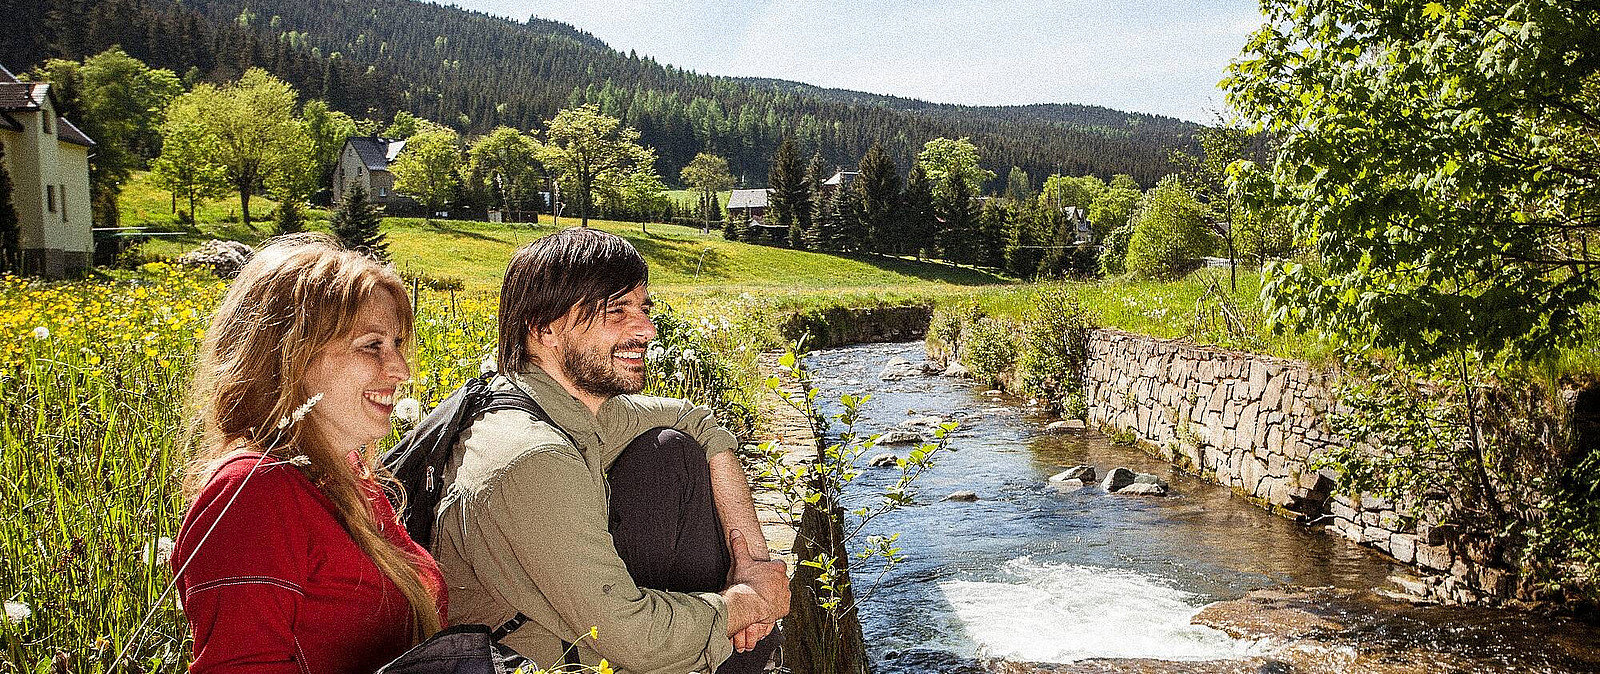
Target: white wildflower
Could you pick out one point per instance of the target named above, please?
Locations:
(158, 551)
(40, 332)
(17, 612)
(688, 355)
(299, 412)
(408, 410)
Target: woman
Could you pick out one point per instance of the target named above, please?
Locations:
(290, 558)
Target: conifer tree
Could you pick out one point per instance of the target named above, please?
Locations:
(994, 221)
(357, 224)
(803, 231)
(1023, 240)
(878, 192)
(916, 211)
(787, 179)
(956, 235)
(289, 219)
(10, 243)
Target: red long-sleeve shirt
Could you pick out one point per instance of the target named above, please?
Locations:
(279, 585)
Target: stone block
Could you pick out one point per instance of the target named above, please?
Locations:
(1433, 557)
(1377, 537)
(1495, 582)
(1348, 529)
(1230, 414)
(1403, 547)
(1276, 466)
(1341, 509)
(1258, 379)
(1273, 395)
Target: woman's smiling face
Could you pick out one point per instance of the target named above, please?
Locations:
(357, 375)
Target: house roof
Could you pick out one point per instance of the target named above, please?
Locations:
(22, 96)
(67, 132)
(842, 178)
(6, 76)
(748, 199)
(376, 153)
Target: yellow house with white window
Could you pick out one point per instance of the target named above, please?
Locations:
(48, 161)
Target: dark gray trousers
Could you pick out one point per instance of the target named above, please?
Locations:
(665, 526)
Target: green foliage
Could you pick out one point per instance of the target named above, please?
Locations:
(1112, 209)
(1170, 234)
(709, 174)
(957, 235)
(918, 211)
(1019, 187)
(503, 165)
(289, 218)
(989, 347)
(253, 126)
(1439, 156)
(1061, 191)
(188, 166)
(591, 151)
(428, 169)
(703, 360)
(357, 224)
(877, 191)
(1114, 250)
(837, 223)
(1055, 350)
(792, 199)
(947, 161)
(327, 130)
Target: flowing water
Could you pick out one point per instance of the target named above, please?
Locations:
(1034, 572)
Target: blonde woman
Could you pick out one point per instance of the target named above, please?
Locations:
(290, 558)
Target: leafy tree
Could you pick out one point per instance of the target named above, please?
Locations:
(958, 229)
(292, 174)
(504, 164)
(791, 201)
(1259, 229)
(1065, 192)
(916, 208)
(118, 101)
(1019, 187)
(403, 126)
(877, 191)
(1446, 181)
(327, 130)
(1125, 181)
(1111, 210)
(941, 158)
(1024, 240)
(587, 149)
(1114, 250)
(357, 224)
(10, 244)
(427, 169)
(253, 124)
(188, 164)
(1206, 177)
(709, 174)
(1169, 234)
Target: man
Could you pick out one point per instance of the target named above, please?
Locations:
(627, 514)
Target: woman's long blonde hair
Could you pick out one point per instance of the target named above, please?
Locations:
(295, 298)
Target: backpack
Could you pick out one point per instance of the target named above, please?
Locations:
(418, 461)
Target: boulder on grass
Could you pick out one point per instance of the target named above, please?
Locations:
(223, 258)
(1117, 479)
(1084, 474)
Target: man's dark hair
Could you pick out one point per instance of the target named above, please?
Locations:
(578, 268)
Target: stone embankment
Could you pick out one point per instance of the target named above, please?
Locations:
(1255, 423)
(789, 429)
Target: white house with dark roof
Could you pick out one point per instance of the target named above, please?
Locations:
(750, 205)
(365, 161)
(48, 161)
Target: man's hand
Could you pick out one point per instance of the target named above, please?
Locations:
(747, 639)
(759, 593)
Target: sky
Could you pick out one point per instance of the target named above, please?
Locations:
(1156, 56)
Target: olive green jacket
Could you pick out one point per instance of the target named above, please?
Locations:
(523, 528)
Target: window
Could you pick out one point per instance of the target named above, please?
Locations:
(383, 191)
(63, 190)
(50, 197)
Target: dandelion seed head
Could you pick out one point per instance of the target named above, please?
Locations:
(408, 410)
(41, 332)
(158, 551)
(17, 612)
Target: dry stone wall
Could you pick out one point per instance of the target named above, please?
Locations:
(1254, 423)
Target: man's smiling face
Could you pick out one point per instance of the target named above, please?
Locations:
(604, 357)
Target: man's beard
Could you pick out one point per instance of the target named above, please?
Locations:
(593, 372)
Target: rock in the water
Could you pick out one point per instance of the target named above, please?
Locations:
(898, 368)
(1073, 483)
(922, 422)
(963, 496)
(1083, 474)
(993, 392)
(1142, 489)
(1117, 478)
(884, 460)
(1064, 426)
(899, 438)
(1147, 478)
(223, 258)
(929, 367)
(957, 370)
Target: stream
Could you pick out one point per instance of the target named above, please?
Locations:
(1035, 573)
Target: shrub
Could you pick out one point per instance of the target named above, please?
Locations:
(1055, 341)
(989, 348)
(945, 330)
(1169, 234)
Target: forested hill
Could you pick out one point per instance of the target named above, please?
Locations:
(475, 71)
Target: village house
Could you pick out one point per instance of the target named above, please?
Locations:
(841, 178)
(750, 207)
(365, 161)
(47, 159)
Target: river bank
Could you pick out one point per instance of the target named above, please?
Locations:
(1034, 578)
